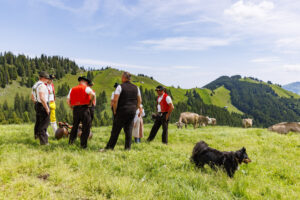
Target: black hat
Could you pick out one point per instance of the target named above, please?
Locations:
(91, 84)
(116, 85)
(51, 76)
(44, 75)
(160, 88)
(80, 78)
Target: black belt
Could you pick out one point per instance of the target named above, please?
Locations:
(81, 106)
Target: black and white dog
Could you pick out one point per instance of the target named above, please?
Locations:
(229, 160)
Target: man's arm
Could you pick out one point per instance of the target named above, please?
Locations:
(171, 108)
(92, 95)
(139, 102)
(32, 98)
(115, 103)
(44, 102)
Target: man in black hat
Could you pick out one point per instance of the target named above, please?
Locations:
(40, 97)
(79, 99)
(164, 109)
(127, 99)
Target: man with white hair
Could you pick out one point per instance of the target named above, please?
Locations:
(127, 99)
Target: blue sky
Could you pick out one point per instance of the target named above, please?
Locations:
(178, 42)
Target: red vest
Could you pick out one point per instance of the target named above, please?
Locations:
(164, 106)
(78, 96)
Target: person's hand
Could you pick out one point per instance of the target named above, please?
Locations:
(167, 117)
(48, 111)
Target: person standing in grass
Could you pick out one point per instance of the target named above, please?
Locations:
(92, 106)
(112, 99)
(127, 99)
(40, 95)
(79, 99)
(138, 127)
(164, 109)
(52, 104)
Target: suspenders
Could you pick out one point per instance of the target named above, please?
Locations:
(35, 90)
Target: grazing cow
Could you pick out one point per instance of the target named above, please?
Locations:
(211, 121)
(202, 120)
(247, 123)
(228, 160)
(188, 118)
(285, 127)
(179, 125)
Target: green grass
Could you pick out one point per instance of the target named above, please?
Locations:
(148, 171)
(222, 98)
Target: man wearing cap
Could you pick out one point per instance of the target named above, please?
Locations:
(127, 99)
(164, 109)
(52, 104)
(40, 96)
(79, 99)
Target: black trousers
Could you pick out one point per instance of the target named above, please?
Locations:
(41, 124)
(160, 121)
(92, 111)
(81, 114)
(122, 119)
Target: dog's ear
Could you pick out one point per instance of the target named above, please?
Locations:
(243, 149)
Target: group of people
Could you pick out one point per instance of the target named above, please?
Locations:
(126, 105)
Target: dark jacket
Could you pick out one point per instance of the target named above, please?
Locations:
(128, 98)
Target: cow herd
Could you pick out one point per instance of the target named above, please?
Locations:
(197, 120)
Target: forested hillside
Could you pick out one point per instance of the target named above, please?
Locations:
(259, 100)
(228, 99)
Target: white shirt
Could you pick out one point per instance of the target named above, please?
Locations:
(119, 90)
(112, 96)
(40, 87)
(51, 92)
(168, 99)
(137, 113)
(88, 90)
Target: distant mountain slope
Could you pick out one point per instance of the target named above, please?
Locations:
(266, 103)
(280, 91)
(293, 87)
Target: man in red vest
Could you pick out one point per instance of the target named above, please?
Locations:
(164, 109)
(79, 99)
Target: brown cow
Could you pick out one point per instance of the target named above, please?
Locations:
(247, 123)
(285, 127)
(188, 118)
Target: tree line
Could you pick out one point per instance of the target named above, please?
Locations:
(25, 70)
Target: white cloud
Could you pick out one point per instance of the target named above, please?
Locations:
(265, 60)
(88, 7)
(186, 43)
(242, 11)
(292, 68)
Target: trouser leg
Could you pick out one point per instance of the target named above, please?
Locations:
(43, 123)
(165, 124)
(128, 130)
(76, 121)
(116, 129)
(36, 122)
(154, 129)
(86, 126)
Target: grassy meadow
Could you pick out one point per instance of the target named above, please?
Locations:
(148, 171)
